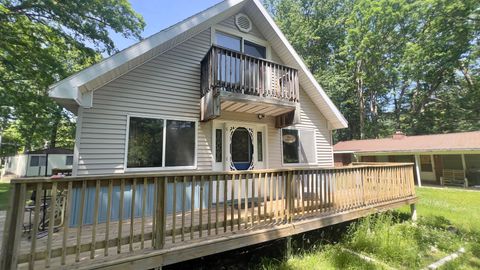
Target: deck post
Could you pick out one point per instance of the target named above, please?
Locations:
(288, 247)
(13, 227)
(161, 212)
(413, 210)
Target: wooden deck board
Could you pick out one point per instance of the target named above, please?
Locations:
(287, 202)
(206, 245)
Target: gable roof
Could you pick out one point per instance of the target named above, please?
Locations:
(77, 89)
(422, 143)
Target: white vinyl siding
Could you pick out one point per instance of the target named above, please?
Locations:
(230, 23)
(169, 85)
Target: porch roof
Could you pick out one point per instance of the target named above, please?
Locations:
(463, 141)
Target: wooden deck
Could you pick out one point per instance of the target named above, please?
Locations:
(240, 209)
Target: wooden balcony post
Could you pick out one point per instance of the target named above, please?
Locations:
(160, 212)
(13, 227)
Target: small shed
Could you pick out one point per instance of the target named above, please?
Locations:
(437, 157)
(34, 163)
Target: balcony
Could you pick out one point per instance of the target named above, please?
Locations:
(233, 81)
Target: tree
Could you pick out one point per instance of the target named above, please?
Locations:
(43, 42)
(410, 65)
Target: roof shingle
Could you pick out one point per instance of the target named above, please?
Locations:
(419, 143)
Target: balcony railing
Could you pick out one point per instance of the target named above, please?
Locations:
(75, 219)
(231, 71)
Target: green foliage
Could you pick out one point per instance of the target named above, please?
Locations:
(392, 239)
(43, 42)
(4, 195)
(391, 64)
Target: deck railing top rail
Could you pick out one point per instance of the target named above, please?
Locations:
(357, 165)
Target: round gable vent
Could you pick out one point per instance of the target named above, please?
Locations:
(243, 23)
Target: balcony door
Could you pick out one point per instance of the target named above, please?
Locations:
(240, 44)
(238, 146)
(233, 69)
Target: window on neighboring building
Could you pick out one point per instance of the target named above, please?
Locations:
(426, 163)
(160, 143)
(36, 161)
(290, 141)
(69, 160)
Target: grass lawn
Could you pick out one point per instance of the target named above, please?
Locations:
(460, 207)
(4, 195)
(448, 219)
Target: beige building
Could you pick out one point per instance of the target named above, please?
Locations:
(433, 155)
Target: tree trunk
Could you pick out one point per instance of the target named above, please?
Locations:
(467, 76)
(53, 133)
(361, 99)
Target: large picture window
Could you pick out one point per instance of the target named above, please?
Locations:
(155, 143)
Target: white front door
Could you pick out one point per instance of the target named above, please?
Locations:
(238, 146)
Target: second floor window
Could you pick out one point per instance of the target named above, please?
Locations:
(240, 45)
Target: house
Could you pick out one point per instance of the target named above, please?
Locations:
(208, 136)
(433, 155)
(34, 163)
(222, 90)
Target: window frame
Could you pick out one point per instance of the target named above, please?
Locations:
(243, 36)
(299, 144)
(40, 163)
(163, 168)
(66, 160)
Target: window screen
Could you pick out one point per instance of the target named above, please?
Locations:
(290, 142)
(180, 144)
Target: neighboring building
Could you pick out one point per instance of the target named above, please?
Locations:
(221, 90)
(432, 154)
(34, 163)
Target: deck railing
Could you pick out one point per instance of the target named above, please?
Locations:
(231, 71)
(97, 216)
